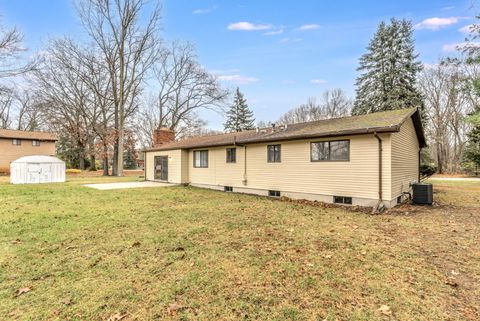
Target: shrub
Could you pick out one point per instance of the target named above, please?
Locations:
(427, 170)
(73, 171)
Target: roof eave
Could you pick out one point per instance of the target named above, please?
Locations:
(364, 131)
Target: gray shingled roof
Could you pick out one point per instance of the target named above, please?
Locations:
(381, 122)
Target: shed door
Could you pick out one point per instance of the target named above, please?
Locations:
(45, 173)
(33, 173)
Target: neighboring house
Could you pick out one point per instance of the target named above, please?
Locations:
(17, 143)
(365, 160)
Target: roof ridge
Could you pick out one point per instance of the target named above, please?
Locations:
(27, 131)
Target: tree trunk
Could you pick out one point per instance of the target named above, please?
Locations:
(81, 163)
(105, 160)
(120, 149)
(93, 166)
(439, 158)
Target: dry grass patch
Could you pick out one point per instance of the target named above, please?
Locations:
(183, 253)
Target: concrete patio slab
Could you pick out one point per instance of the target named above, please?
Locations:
(123, 185)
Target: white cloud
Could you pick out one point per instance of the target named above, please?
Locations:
(466, 29)
(248, 26)
(318, 81)
(273, 32)
(460, 46)
(309, 27)
(436, 23)
(205, 11)
(448, 8)
(289, 40)
(238, 79)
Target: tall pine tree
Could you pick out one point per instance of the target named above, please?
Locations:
(388, 71)
(239, 116)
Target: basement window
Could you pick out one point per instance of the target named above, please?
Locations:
(342, 200)
(228, 189)
(272, 193)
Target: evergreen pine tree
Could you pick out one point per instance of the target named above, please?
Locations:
(388, 71)
(239, 116)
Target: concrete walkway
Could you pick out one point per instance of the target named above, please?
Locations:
(456, 179)
(108, 186)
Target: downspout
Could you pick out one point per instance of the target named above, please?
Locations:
(380, 149)
(144, 165)
(244, 181)
(419, 156)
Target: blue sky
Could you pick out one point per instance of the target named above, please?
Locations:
(278, 52)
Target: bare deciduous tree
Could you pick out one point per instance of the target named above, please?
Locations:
(6, 100)
(11, 48)
(446, 104)
(184, 86)
(334, 103)
(128, 49)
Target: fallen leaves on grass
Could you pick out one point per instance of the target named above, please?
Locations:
(23, 290)
(135, 244)
(17, 241)
(385, 310)
(174, 307)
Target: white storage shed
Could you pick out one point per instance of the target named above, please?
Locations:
(37, 169)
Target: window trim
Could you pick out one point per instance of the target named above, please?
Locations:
(16, 140)
(226, 155)
(279, 151)
(329, 160)
(199, 150)
(35, 145)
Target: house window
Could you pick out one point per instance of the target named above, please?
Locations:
(200, 158)
(274, 153)
(342, 200)
(35, 143)
(231, 155)
(228, 188)
(338, 150)
(16, 141)
(274, 193)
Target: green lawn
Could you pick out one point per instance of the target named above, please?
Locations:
(181, 253)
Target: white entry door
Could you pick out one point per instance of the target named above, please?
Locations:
(45, 173)
(33, 173)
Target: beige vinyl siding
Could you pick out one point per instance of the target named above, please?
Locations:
(405, 149)
(177, 169)
(10, 152)
(296, 173)
(219, 172)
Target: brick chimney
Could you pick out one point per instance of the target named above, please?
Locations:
(162, 135)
